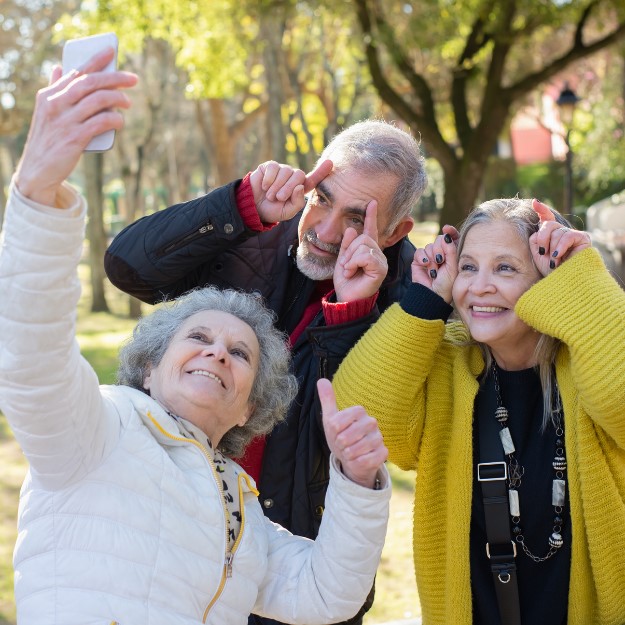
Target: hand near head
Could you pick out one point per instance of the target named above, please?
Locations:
(279, 189)
(436, 265)
(72, 110)
(361, 265)
(353, 437)
(554, 243)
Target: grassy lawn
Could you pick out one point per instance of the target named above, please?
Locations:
(99, 335)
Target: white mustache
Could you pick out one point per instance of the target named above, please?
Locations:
(333, 248)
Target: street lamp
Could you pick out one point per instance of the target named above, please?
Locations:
(567, 100)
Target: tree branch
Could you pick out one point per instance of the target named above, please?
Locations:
(425, 123)
(577, 51)
(497, 65)
(476, 40)
(579, 31)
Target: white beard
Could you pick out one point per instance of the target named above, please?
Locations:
(312, 266)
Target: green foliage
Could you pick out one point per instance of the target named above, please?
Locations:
(598, 139)
(544, 181)
(211, 38)
(12, 470)
(320, 76)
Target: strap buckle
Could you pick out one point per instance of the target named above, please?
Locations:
(492, 471)
(502, 556)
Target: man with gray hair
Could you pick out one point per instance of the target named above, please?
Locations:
(313, 246)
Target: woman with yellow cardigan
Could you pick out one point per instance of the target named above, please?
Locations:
(512, 417)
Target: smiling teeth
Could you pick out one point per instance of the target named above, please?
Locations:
(488, 309)
(207, 374)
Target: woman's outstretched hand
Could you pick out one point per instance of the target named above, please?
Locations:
(436, 265)
(554, 243)
(73, 109)
(353, 437)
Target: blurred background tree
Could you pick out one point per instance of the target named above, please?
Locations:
(456, 71)
(600, 137)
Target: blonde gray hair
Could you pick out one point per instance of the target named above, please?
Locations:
(519, 214)
(274, 387)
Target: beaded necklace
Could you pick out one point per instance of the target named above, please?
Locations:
(516, 471)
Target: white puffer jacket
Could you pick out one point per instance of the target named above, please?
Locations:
(121, 520)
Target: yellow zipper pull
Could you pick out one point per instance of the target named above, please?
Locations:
(229, 558)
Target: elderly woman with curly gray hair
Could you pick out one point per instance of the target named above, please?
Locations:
(132, 512)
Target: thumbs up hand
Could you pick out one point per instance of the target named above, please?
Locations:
(353, 437)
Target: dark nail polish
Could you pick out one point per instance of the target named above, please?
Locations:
(433, 273)
(439, 259)
(541, 250)
(552, 264)
(555, 254)
(447, 238)
(425, 259)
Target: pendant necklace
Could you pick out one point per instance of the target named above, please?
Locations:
(516, 471)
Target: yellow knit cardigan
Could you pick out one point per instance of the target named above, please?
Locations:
(412, 375)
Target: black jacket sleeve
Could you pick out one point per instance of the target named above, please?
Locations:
(165, 254)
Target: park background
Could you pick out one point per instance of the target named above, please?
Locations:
(507, 97)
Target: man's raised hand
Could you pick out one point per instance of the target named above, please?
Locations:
(279, 189)
(361, 265)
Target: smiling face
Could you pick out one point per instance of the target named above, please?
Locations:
(340, 202)
(207, 372)
(494, 269)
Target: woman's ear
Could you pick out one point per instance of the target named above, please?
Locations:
(248, 413)
(147, 378)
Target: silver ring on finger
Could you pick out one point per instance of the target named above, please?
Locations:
(371, 251)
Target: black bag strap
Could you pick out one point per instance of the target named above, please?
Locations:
(492, 474)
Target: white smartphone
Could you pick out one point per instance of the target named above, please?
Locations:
(75, 53)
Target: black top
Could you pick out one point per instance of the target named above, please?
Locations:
(543, 586)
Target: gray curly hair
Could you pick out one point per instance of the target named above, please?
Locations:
(374, 146)
(523, 218)
(274, 387)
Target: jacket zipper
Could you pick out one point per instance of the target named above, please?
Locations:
(300, 287)
(185, 239)
(229, 556)
(227, 572)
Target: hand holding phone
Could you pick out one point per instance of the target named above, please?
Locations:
(73, 109)
(75, 53)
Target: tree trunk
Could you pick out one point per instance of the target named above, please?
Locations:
(175, 197)
(134, 307)
(271, 29)
(223, 144)
(463, 183)
(94, 166)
